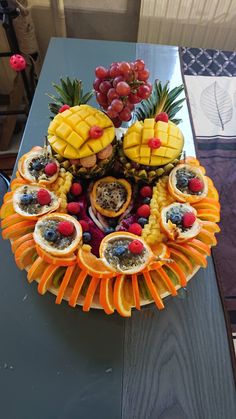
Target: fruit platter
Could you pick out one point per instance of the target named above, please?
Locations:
(108, 212)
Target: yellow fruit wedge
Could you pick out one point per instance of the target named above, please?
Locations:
(189, 251)
(161, 275)
(208, 215)
(210, 226)
(181, 259)
(200, 246)
(8, 196)
(207, 237)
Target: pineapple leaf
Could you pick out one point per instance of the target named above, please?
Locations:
(162, 99)
(86, 98)
(64, 96)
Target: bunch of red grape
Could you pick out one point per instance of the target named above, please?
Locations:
(120, 87)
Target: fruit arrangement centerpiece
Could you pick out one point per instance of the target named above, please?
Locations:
(111, 217)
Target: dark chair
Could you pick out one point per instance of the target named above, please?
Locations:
(4, 185)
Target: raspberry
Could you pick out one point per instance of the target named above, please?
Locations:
(188, 219)
(73, 208)
(43, 197)
(195, 185)
(136, 247)
(50, 169)
(65, 228)
(84, 225)
(143, 211)
(64, 108)
(154, 143)
(135, 228)
(76, 189)
(95, 132)
(162, 117)
(146, 191)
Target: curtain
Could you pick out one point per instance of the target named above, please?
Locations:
(195, 23)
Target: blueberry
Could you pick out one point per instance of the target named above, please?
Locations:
(146, 200)
(87, 237)
(50, 235)
(176, 218)
(37, 165)
(183, 181)
(119, 251)
(142, 221)
(112, 222)
(109, 230)
(26, 199)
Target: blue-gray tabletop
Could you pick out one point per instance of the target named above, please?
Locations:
(61, 363)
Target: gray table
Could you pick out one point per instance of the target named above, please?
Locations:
(60, 363)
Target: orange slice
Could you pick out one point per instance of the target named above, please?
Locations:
(65, 282)
(77, 288)
(13, 231)
(106, 295)
(94, 266)
(210, 226)
(90, 293)
(12, 219)
(174, 267)
(209, 215)
(7, 209)
(7, 196)
(16, 243)
(200, 246)
(207, 237)
(212, 192)
(180, 257)
(198, 258)
(37, 269)
(24, 254)
(136, 293)
(46, 279)
(162, 275)
(156, 297)
(18, 182)
(121, 304)
(53, 260)
(190, 160)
